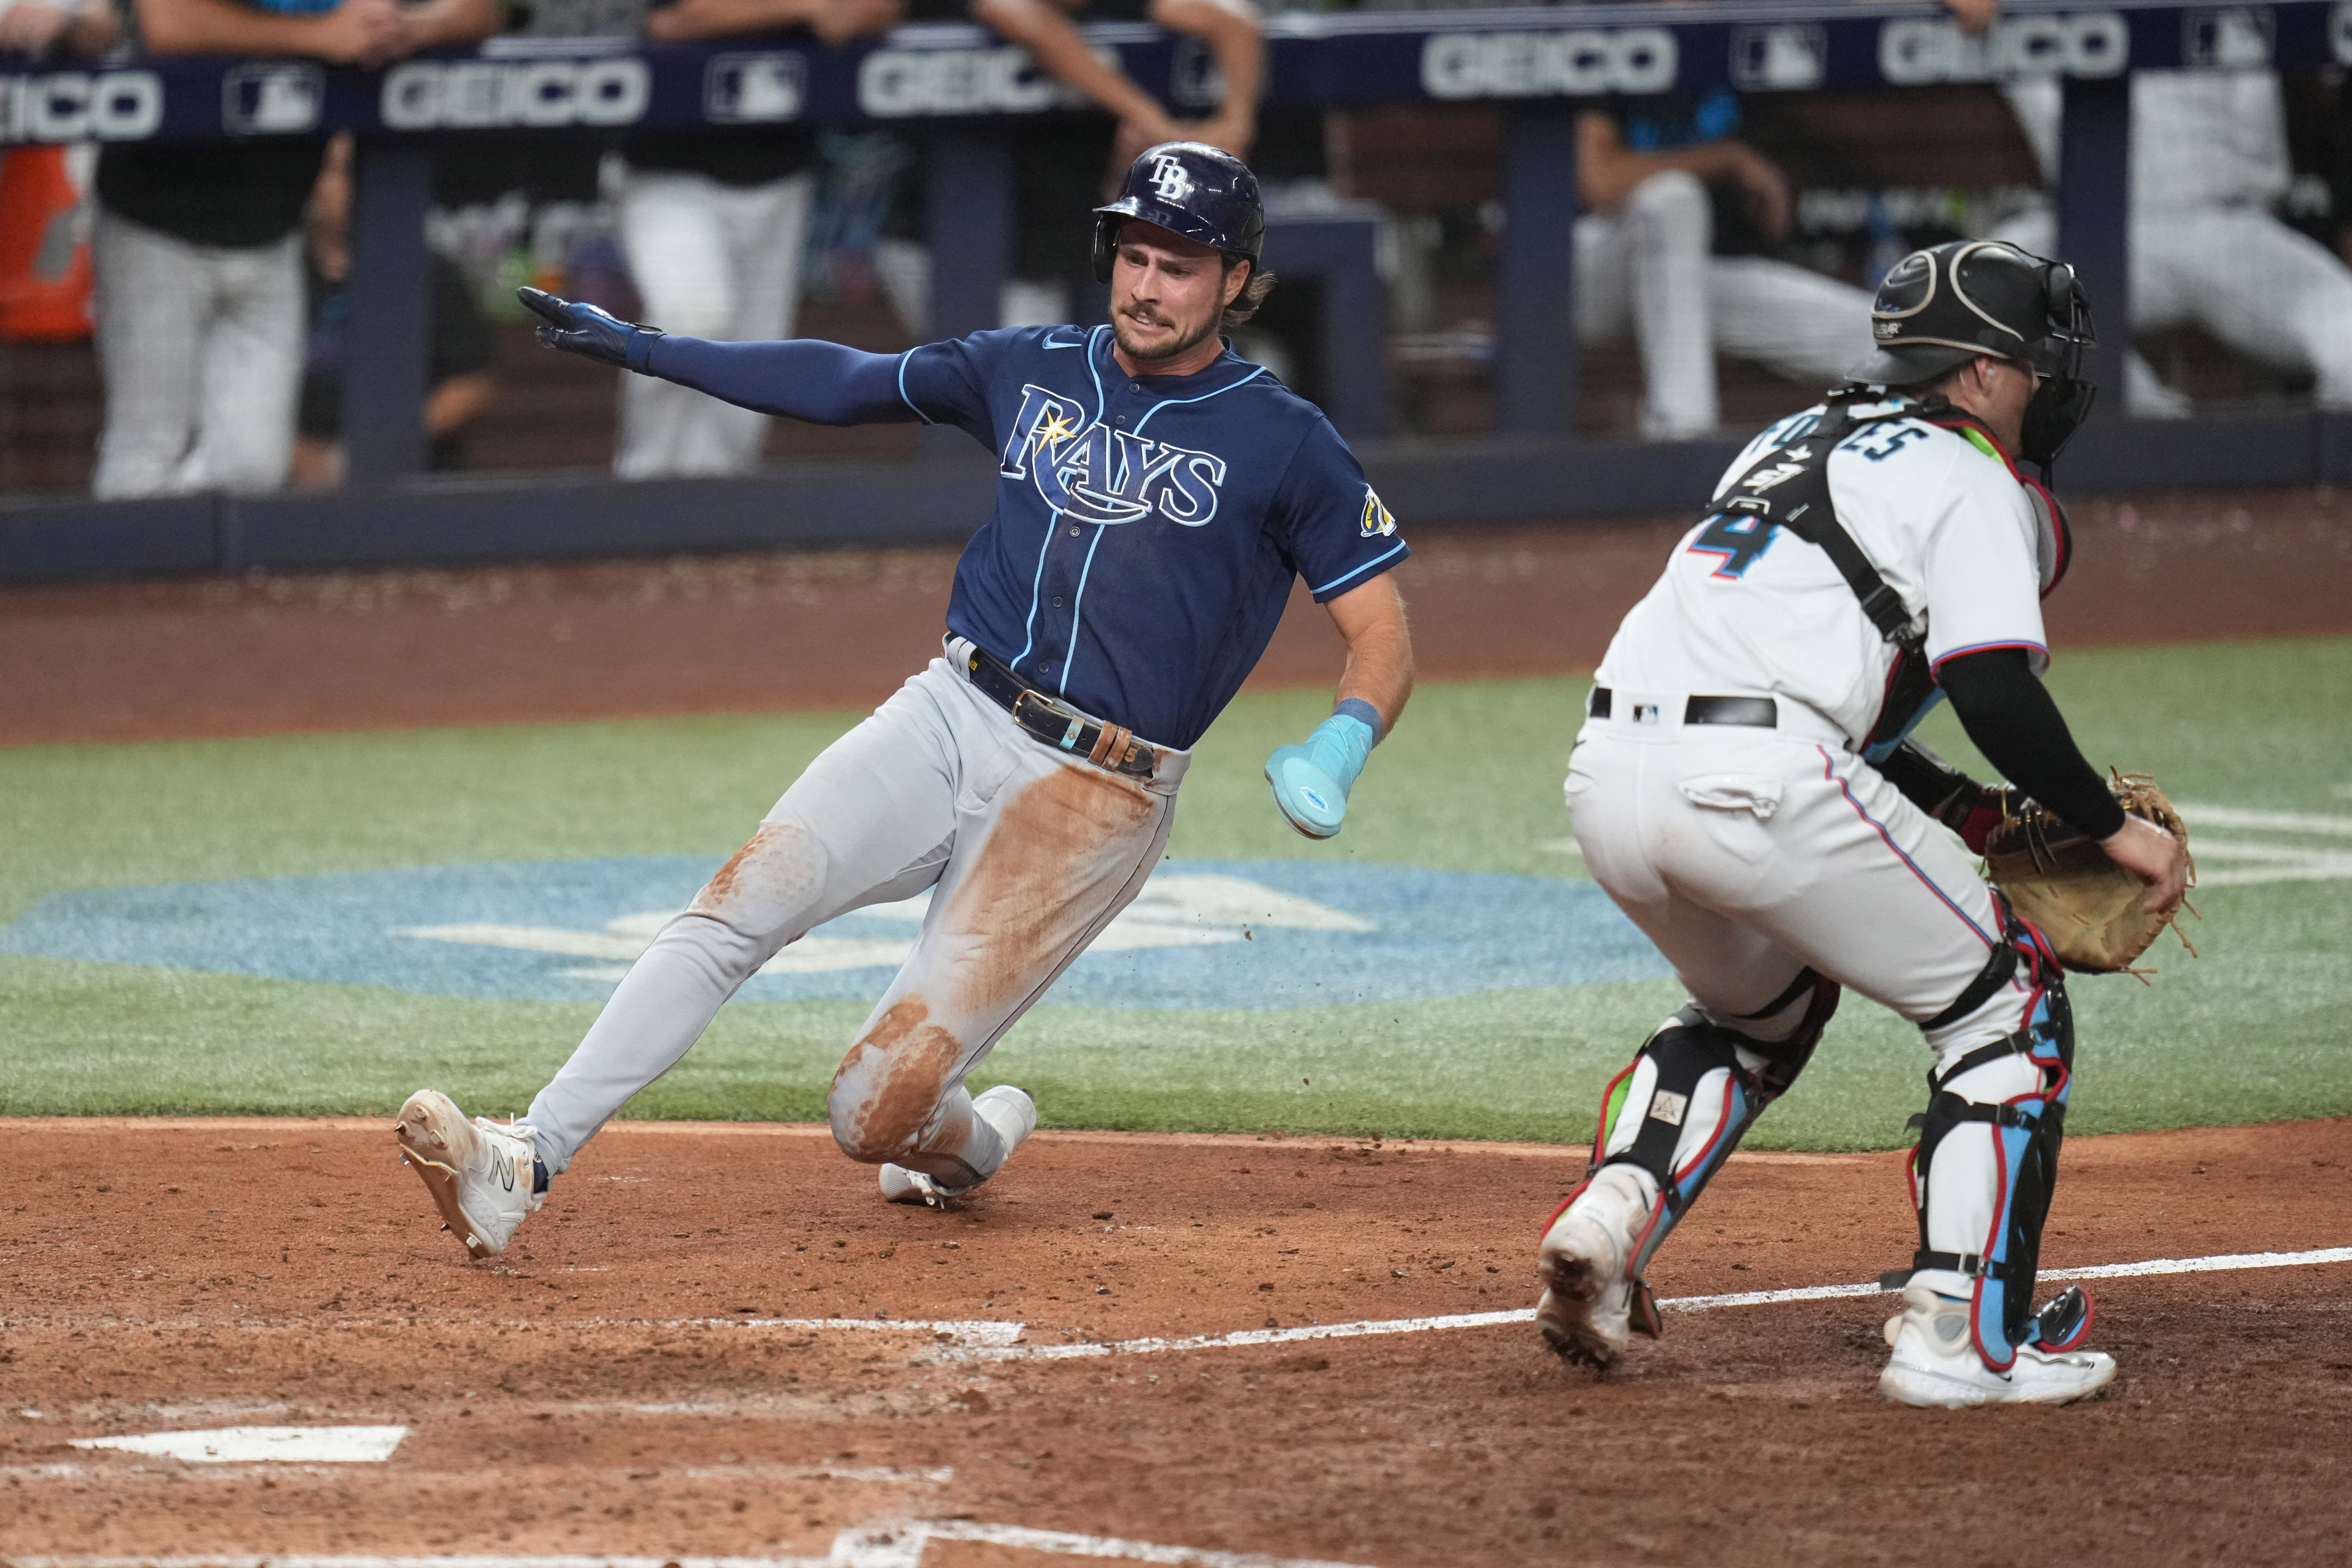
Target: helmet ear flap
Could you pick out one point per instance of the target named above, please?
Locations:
(1107, 228)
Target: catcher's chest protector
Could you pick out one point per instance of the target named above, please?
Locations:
(1790, 488)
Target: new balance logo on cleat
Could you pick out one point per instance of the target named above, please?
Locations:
(470, 1168)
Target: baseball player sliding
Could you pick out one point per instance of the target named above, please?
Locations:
(1156, 495)
(1742, 789)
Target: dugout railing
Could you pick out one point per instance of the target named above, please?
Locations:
(966, 86)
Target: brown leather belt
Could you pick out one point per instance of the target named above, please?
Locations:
(1761, 713)
(1057, 723)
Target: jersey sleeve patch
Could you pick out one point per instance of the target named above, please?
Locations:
(1334, 527)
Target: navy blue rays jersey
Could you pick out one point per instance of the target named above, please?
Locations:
(1147, 528)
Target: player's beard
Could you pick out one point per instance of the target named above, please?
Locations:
(1121, 327)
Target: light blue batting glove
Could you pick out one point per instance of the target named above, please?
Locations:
(1311, 782)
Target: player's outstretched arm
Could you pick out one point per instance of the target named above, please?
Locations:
(1311, 782)
(799, 378)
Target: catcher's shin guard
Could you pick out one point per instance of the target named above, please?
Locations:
(1688, 1097)
(1985, 1194)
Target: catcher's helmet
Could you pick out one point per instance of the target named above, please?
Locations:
(1944, 306)
(1941, 307)
(1190, 188)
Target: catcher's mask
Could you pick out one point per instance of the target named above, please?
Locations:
(1941, 307)
(1190, 188)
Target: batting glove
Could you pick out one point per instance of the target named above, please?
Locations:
(1311, 782)
(590, 331)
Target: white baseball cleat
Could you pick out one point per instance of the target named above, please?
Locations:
(478, 1172)
(1936, 1364)
(1585, 1261)
(1008, 1110)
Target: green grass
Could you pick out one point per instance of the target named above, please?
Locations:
(2252, 1031)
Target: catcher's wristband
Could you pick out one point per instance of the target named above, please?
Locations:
(1973, 813)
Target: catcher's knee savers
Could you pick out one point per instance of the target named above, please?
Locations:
(2012, 1168)
(1697, 1087)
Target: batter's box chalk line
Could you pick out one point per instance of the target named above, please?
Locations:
(262, 1445)
(884, 1545)
(1014, 1351)
(969, 1333)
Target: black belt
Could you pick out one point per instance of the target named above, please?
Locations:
(1761, 712)
(1107, 745)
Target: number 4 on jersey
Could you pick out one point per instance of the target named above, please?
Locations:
(1740, 537)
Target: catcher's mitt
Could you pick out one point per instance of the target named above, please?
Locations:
(2056, 875)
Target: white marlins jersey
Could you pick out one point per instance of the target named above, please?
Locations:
(1749, 611)
(2199, 138)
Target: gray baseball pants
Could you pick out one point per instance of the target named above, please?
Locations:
(1030, 852)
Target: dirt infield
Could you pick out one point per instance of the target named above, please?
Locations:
(616, 640)
(637, 1377)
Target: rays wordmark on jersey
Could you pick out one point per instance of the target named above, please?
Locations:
(1090, 472)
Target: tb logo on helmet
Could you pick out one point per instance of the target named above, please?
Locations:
(1170, 182)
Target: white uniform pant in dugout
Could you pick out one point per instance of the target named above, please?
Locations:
(1030, 854)
(1646, 266)
(202, 348)
(716, 261)
(1749, 854)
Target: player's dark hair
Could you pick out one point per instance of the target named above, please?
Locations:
(1253, 292)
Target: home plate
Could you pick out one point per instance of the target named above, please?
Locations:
(246, 1444)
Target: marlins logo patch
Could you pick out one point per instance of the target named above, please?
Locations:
(1378, 523)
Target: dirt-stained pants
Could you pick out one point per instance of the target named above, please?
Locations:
(1031, 853)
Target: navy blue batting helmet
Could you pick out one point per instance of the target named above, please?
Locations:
(1190, 188)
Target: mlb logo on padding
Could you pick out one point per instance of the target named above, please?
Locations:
(740, 89)
(276, 98)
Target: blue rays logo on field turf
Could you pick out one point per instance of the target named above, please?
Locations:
(1204, 933)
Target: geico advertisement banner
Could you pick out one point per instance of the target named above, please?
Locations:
(81, 106)
(953, 71)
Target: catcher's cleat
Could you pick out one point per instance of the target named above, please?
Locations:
(478, 1172)
(1589, 1299)
(1008, 1110)
(1936, 1364)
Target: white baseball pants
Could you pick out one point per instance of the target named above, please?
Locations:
(710, 260)
(1645, 266)
(202, 351)
(2267, 291)
(1030, 852)
(1748, 855)
(2264, 289)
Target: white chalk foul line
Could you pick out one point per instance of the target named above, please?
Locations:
(870, 1546)
(960, 1331)
(1674, 1304)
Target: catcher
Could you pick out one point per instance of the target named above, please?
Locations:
(1743, 790)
